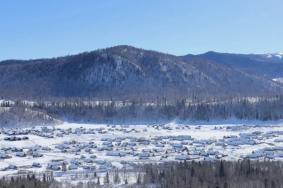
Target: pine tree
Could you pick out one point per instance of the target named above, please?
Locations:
(221, 170)
(98, 181)
(139, 179)
(106, 178)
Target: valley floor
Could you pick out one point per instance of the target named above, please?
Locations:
(69, 150)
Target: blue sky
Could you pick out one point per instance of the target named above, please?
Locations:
(38, 28)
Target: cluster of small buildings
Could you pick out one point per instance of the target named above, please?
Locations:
(33, 151)
(103, 148)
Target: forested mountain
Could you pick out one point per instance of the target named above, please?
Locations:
(269, 66)
(125, 72)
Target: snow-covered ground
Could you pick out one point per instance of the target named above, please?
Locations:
(278, 55)
(70, 148)
(280, 80)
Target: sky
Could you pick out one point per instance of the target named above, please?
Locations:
(48, 28)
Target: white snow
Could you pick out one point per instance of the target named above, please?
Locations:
(275, 55)
(231, 141)
(280, 79)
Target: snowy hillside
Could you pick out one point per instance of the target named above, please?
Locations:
(275, 55)
(280, 80)
(125, 72)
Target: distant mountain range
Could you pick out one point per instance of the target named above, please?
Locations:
(269, 66)
(124, 72)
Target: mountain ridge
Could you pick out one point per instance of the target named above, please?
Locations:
(126, 72)
(256, 64)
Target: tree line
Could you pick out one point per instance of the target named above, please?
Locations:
(80, 110)
(186, 174)
(219, 174)
(161, 109)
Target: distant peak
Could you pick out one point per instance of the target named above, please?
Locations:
(211, 53)
(275, 55)
(122, 48)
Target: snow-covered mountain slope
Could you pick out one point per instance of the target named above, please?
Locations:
(125, 72)
(280, 80)
(262, 65)
(24, 117)
(275, 55)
